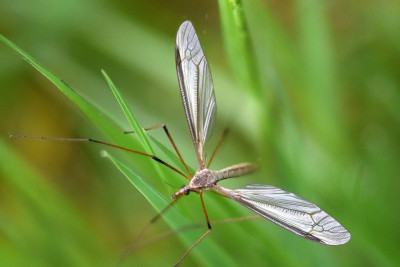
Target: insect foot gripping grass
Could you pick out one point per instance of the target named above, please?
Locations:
(283, 208)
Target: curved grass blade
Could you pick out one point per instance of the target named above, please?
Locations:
(211, 250)
(129, 115)
(88, 109)
(141, 134)
(92, 113)
(209, 254)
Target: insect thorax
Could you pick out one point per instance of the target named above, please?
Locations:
(203, 179)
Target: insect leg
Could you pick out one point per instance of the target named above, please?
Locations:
(153, 128)
(190, 227)
(89, 140)
(152, 221)
(218, 193)
(221, 138)
(170, 140)
(202, 237)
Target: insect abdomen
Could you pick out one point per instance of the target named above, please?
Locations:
(236, 170)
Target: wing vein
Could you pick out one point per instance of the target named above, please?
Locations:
(291, 212)
(196, 87)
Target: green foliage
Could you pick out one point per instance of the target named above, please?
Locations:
(310, 94)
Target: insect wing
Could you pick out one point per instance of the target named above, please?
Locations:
(291, 212)
(197, 89)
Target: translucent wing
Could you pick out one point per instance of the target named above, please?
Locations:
(196, 86)
(291, 212)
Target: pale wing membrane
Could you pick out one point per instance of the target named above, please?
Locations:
(291, 212)
(196, 86)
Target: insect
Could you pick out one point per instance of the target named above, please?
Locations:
(283, 208)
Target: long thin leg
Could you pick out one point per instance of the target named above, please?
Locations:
(170, 139)
(106, 144)
(147, 129)
(193, 226)
(218, 193)
(152, 221)
(221, 138)
(202, 237)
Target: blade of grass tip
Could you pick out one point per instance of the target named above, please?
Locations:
(138, 129)
(92, 113)
(212, 254)
(58, 82)
(84, 105)
(86, 108)
(238, 45)
(129, 115)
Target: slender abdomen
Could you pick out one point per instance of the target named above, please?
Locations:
(235, 171)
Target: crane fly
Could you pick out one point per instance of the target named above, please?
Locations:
(283, 208)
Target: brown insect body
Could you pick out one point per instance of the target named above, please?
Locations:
(206, 179)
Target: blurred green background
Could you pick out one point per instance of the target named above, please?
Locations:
(310, 91)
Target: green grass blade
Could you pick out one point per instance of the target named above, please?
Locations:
(238, 46)
(92, 113)
(149, 192)
(129, 115)
(87, 108)
(171, 155)
(57, 82)
(320, 92)
(210, 254)
(141, 133)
